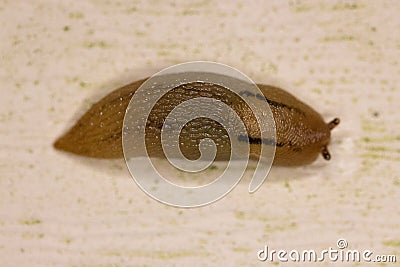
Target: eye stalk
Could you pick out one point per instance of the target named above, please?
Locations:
(332, 124)
(325, 153)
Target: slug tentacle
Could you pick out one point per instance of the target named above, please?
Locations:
(332, 124)
(325, 153)
(301, 133)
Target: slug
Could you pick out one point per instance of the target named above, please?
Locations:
(301, 133)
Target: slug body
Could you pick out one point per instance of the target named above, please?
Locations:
(301, 133)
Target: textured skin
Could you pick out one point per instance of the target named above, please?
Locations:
(301, 132)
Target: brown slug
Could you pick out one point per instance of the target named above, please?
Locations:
(301, 133)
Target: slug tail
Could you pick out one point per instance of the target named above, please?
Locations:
(73, 141)
(59, 144)
(98, 133)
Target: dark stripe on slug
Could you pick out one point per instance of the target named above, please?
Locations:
(271, 102)
(258, 141)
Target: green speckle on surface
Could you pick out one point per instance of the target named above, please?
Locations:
(301, 8)
(28, 235)
(273, 67)
(213, 167)
(369, 125)
(287, 185)
(340, 38)
(344, 80)
(392, 243)
(379, 157)
(189, 12)
(163, 255)
(240, 215)
(76, 15)
(310, 196)
(66, 28)
(163, 53)
(106, 265)
(83, 84)
(32, 221)
(94, 44)
(317, 91)
(299, 82)
(140, 33)
(382, 149)
(327, 82)
(269, 228)
(131, 10)
(241, 249)
(346, 6)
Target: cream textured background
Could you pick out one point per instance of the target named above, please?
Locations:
(58, 57)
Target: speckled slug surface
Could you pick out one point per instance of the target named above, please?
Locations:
(301, 133)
